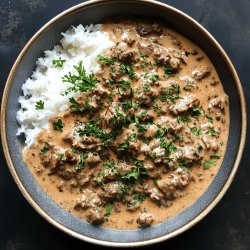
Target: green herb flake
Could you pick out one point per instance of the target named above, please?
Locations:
(212, 132)
(39, 105)
(58, 125)
(184, 119)
(108, 211)
(81, 163)
(127, 69)
(209, 163)
(146, 88)
(154, 78)
(60, 156)
(81, 81)
(182, 163)
(75, 106)
(44, 150)
(215, 156)
(196, 131)
(138, 198)
(58, 63)
(170, 94)
(106, 60)
(169, 71)
(169, 146)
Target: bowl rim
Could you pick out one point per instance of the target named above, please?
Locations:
(103, 242)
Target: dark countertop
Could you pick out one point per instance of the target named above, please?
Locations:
(226, 227)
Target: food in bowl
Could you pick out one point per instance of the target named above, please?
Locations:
(126, 123)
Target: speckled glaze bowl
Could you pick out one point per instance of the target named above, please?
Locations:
(46, 38)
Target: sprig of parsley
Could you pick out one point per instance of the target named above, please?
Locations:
(209, 163)
(75, 106)
(108, 211)
(80, 81)
(58, 125)
(106, 60)
(169, 71)
(39, 105)
(58, 63)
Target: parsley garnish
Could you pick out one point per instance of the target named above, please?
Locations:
(108, 211)
(58, 63)
(81, 163)
(87, 106)
(60, 156)
(196, 131)
(169, 146)
(182, 163)
(169, 71)
(127, 69)
(171, 94)
(161, 132)
(212, 132)
(106, 60)
(126, 105)
(215, 156)
(146, 88)
(184, 119)
(75, 106)
(196, 113)
(154, 78)
(39, 105)
(209, 163)
(45, 149)
(139, 198)
(80, 81)
(58, 125)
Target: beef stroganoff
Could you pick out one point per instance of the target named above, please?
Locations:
(140, 128)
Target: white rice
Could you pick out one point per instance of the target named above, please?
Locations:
(45, 84)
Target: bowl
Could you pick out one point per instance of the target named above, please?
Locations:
(46, 38)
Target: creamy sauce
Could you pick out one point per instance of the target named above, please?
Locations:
(66, 191)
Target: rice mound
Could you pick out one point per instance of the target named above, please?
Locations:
(45, 84)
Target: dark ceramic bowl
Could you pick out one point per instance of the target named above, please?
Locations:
(46, 38)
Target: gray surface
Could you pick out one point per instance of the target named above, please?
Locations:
(227, 227)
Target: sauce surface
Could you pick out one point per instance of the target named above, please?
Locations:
(146, 136)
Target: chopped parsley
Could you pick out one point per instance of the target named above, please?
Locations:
(45, 149)
(58, 125)
(170, 94)
(60, 156)
(182, 163)
(126, 105)
(196, 112)
(169, 71)
(156, 107)
(161, 132)
(81, 81)
(212, 132)
(215, 156)
(88, 106)
(169, 146)
(127, 69)
(184, 119)
(108, 211)
(146, 87)
(209, 163)
(196, 131)
(58, 63)
(81, 163)
(106, 60)
(75, 106)
(39, 105)
(138, 198)
(154, 78)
